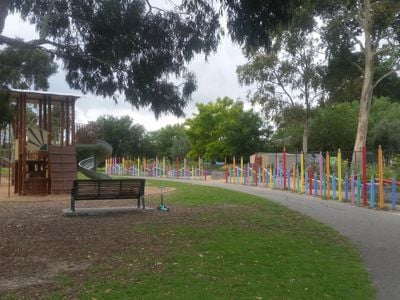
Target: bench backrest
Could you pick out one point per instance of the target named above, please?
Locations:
(86, 189)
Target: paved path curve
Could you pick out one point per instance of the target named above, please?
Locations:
(376, 233)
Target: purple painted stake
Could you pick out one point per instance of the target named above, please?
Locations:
(353, 199)
(393, 193)
(346, 187)
(321, 173)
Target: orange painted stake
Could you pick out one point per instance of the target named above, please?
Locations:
(380, 170)
(328, 176)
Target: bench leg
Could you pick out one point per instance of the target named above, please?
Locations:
(72, 204)
(143, 204)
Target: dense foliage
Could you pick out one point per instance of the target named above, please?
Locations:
(224, 129)
(127, 47)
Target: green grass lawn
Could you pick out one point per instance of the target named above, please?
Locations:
(4, 172)
(227, 245)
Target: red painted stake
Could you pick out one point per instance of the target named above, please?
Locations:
(364, 177)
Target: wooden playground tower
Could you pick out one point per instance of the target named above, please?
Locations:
(44, 159)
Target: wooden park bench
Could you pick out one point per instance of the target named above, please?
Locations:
(108, 189)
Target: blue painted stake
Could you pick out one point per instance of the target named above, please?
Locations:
(346, 187)
(315, 184)
(324, 187)
(358, 190)
(393, 193)
(288, 181)
(372, 193)
(333, 187)
(298, 180)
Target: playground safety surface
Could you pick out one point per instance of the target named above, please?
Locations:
(37, 242)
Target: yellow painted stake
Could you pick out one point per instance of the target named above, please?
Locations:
(270, 177)
(339, 162)
(138, 166)
(328, 175)
(199, 177)
(241, 170)
(263, 172)
(234, 170)
(163, 166)
(302, 172)
(380, 171)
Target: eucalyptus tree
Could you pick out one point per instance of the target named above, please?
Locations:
(372, 28)
(287, 78)
(122, 47)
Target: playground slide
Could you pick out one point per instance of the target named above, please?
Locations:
(101, 150)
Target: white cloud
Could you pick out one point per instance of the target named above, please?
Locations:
(215, 78)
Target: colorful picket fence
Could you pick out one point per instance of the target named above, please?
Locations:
(318, 179)
(155, 168)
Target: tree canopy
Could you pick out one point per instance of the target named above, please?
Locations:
(171, 141)
(224, 129)
(125, 137)
(127, 47)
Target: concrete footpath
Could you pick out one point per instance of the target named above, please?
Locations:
(376, 233)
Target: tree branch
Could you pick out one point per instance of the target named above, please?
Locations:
(282, 86)
(383, 77)
(357, 66)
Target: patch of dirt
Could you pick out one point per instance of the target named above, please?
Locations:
(37, 242)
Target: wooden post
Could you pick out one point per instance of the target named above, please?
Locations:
(241, 170)
(328, 176)
(310, 179)
(364, 175)
(380, 170)
(284, 168)
(339, 168)
(302, 172)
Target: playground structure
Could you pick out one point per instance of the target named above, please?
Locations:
(43, 142)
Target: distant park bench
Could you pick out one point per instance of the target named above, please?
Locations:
(107, 189)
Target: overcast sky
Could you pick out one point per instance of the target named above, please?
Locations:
(215, 78)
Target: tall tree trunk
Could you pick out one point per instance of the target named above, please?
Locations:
(306, 131)
(367, 87)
